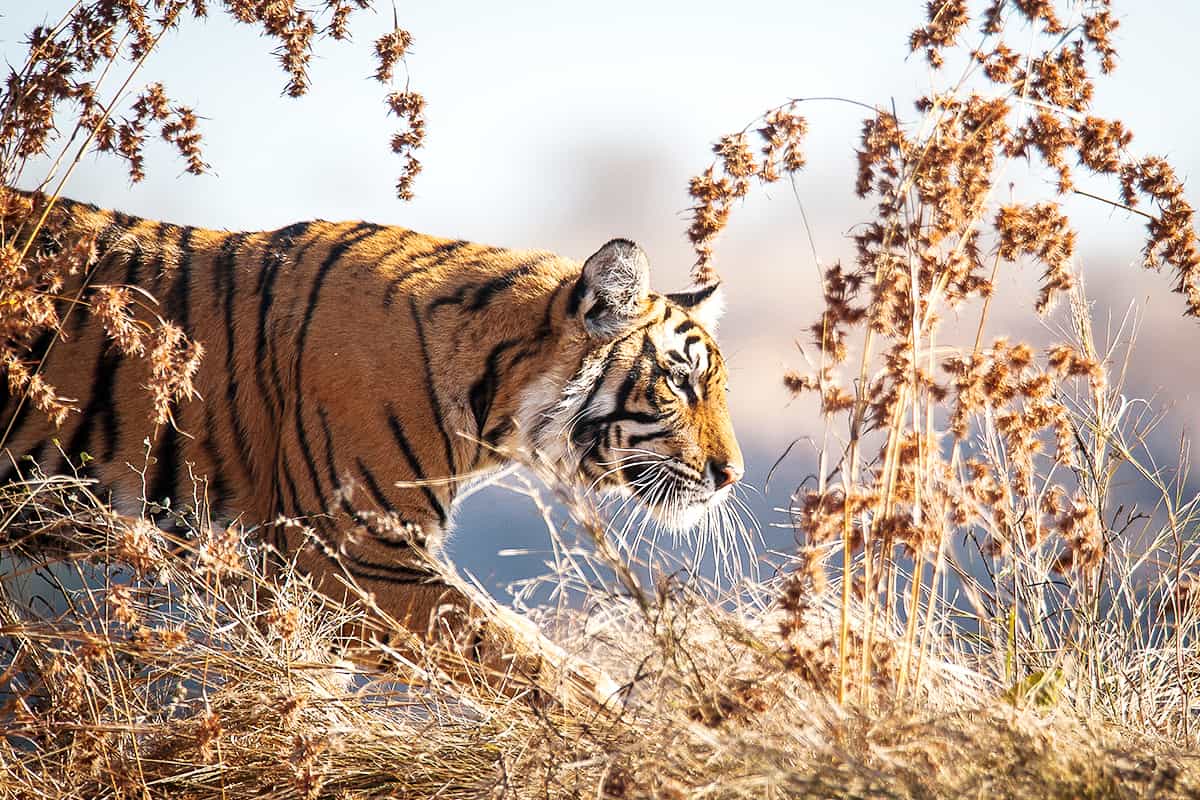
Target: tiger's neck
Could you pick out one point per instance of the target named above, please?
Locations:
(530, 351)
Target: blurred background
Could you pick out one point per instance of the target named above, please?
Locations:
(561, 125)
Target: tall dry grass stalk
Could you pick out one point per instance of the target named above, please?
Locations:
(973, 463)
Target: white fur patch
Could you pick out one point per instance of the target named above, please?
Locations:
(548, 410)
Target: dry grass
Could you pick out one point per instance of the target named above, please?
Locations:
(138, 672)
(973, 608)
(951, 463)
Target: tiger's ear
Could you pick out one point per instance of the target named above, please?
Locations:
(612, 290)
(705, 304)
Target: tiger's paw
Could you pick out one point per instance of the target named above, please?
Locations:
(512, 650)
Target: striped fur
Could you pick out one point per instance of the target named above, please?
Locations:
(344, 358)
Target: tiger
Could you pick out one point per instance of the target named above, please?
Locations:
(353, 366)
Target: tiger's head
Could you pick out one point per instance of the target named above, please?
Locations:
(646, 414)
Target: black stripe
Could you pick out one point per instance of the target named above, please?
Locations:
(538, 340)
(642, 438)
(613, 433)
(330, 467)
(634, 470)
(439, 254)
(498, 431)
(225, 288)
(274, 256)
(576, 298)
(355, 235)
(36, 353)
(104, 240)
(690, 392)
(431, 387)
(483, 391)
(457, 298)
(599, 307)
(274, 337)
(278, 534)
(361, 567)
(670, 467)
(693, 298)
(648, 355)
(102, 405)
(133, 266)
(166, 473)
(640, 417)
(684, 326)
(587, 432)
(547, 326)
(486, 293)
(414, 465)
(178, 302)
(396, 242)
(296, 510)
(216, 477)
(373, 485)
(432, 259)
(158, 267)
(12, 463)
(653, 401)
(591, 398)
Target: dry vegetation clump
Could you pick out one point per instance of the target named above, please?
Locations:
(965, 486)
(76, 93)
(140, 665)
(970, 612)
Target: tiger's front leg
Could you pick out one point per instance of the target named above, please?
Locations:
(387, 566)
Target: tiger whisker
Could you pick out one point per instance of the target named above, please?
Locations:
(642, 450)
(617, 468)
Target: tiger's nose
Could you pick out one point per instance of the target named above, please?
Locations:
(724, 474)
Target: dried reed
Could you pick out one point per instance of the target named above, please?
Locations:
(1007, 451)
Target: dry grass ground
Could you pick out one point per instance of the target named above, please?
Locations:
(134, 671)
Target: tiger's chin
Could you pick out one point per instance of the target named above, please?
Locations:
(686, 511)
(682, 519)
(688, 514)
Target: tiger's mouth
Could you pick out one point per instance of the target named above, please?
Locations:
(678, 499)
